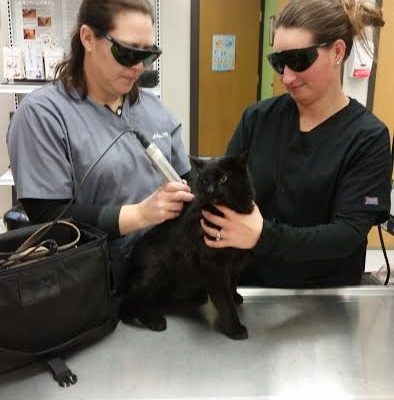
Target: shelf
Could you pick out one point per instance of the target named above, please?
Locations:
(7, 179)
(24, 88)
(19, 88)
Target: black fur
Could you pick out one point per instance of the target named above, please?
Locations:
(172, 260)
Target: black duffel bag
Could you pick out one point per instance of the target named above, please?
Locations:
(54, 297)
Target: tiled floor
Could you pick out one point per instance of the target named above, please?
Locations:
(375, 258)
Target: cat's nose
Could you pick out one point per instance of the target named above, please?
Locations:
(211, 189)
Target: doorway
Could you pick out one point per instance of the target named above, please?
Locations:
(218, 97)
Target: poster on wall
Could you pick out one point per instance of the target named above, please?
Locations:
(35, 23)
(48, 22)
(223, 53)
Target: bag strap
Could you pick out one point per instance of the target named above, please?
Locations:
(61, 373)
(29, 249)
(30, 241)
(93, 333)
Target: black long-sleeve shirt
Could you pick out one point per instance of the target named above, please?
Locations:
(319, 192)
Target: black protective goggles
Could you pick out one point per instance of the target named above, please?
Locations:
(129, 55)
(298, 60)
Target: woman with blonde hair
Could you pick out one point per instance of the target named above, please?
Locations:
(320, 161)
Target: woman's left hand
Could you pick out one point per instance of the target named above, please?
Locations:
(241, 231)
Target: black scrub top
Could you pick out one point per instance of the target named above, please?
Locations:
(319, 192)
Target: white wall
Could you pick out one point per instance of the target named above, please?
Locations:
(355, 88)
(6, 105)
(175, 61)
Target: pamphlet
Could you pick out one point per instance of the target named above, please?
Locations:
(13, 67)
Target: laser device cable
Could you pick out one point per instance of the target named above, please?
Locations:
(151, 150)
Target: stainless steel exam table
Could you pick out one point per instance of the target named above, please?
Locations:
(303, 344)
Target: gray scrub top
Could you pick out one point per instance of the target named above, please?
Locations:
(53, 140)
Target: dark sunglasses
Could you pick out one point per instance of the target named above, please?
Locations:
(298, 60)
(129, 55)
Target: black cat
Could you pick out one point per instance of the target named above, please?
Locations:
(172, 258)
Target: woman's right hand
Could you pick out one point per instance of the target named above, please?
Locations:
(165, 203)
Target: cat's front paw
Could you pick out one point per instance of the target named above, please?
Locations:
(125, 312)
(239, 333)
(154, 322)
(238, 299)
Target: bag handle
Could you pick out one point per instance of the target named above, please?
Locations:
(61, 373)
(29, 250)
(31, 239)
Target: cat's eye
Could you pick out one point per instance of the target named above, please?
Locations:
(223, 179)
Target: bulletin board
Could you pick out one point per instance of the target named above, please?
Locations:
(45, 22)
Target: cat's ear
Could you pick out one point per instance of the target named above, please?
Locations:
(197, 163)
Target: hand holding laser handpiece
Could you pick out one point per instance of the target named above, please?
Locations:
(158, 158)
(165, 203)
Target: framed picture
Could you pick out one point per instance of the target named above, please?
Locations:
(223, 52)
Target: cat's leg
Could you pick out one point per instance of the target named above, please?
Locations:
(222, 297)
(153, 320)
(148, 312)
(238, 299)
(199, 297)
(193, 296)
(144, 309)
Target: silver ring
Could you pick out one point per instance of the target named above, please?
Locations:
(218, 234)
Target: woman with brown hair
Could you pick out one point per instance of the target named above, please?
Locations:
(62, 129)
(319, 160)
